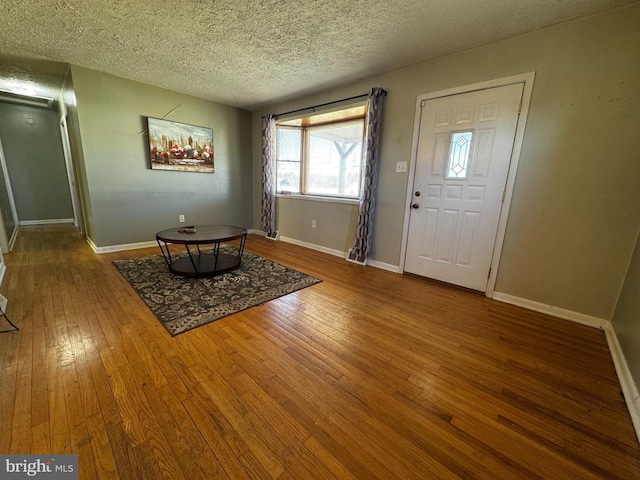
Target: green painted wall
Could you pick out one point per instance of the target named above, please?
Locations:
(35, 162)
(129, 202)
(574, 214)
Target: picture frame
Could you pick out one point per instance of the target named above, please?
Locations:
(180, 146)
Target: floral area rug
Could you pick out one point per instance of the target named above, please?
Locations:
(182, 303)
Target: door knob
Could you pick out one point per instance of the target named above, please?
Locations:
(415, 205)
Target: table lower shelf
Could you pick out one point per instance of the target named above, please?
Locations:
(206, 265)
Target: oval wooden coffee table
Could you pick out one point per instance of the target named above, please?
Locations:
(205, 263)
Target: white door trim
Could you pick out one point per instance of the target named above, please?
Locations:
(527, 80)
(66, 150)
(12, 202)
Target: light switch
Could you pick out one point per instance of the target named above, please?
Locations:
(401, 167)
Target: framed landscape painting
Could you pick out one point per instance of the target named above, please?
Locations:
(178, 146)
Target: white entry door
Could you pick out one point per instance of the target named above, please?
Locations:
(463, 155)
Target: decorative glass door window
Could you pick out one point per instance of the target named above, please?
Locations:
(459, 153)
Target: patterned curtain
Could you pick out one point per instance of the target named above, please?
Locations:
(362, 245)
(268, 218)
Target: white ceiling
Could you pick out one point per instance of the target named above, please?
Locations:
(250, 52)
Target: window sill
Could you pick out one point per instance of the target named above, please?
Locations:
(317, 198)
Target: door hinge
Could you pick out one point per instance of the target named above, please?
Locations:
(489, 274)
(520, 107)
(504, 193)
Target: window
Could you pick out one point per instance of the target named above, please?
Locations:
(321, 154)
(289, 155)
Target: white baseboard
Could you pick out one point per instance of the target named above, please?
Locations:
(135, 246)
(46, 222)
(629, 388)
(300, 243)
(312, 246)
(384, 266)
(92, 245)
(331, 251)
(588, 320)
(14, 237)
(121, 248)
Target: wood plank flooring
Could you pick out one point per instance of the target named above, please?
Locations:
(367, 375)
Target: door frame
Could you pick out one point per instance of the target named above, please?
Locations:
(14, 211)
(68, 160)
(527, 80)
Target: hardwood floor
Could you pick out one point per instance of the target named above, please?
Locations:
(368, 374)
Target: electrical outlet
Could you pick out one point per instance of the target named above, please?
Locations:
(181, 218)
(313, 224)
(401, 167)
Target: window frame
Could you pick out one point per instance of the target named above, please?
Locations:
(278, 160)
(306, 126)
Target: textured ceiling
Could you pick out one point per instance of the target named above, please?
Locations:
(31, 77)
(250, 52)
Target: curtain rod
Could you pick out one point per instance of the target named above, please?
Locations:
(322, 105)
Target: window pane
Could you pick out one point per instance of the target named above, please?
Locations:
(288, 153)
(334, 159)
(289, 141)
(288, 177)
(459, 154)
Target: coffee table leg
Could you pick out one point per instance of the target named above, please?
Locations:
(216, 252)
(195, 269)
(243, 240)
(167, 256)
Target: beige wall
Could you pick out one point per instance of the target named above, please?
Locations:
(574, 214)
(295, 216)
(626, 319)
(129, 202)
